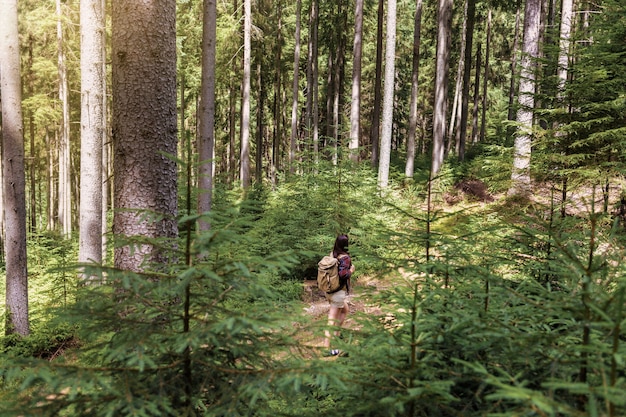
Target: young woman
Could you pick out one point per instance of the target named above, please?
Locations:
(338, 300)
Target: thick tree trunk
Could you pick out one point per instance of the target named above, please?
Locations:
(244, 160)
(206, 115)
(144, 126)
(520, 174)
(92, 44)
(13, 172)
(388, 98)
(355, 103)
(441, 85)
(410, 145)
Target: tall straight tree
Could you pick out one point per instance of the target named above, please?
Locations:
(410, 145)
(461, 133)
(375, 129)
(355, 104)
(296, 88)
(312, 110)
(144, 126)
(388, 97)
(65, 186)
(244, 170)
(520, 173)
(206, 116)
(13, 172)
(92, 122)
(441, 85)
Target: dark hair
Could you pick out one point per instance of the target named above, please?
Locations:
(341, 245)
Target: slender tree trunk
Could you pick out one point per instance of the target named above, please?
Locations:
(458, 90)
(441, 85)
(260, 127)
(512, 89)
(144, 127)
(567, 12)
(483, 121)
(244, 160)
(479, 57)
(461, 134)
(93, 114)
(16, 295)
(375, 131)
(355, 103)
(65, 206)
(314, 91)
(206, 116)
(388, 99)
(277, 136)
(520, 174)
(410, 145)
(296, 91)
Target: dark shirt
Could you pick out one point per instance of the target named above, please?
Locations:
(345, 273)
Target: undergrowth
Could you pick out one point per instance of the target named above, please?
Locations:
(483, 309)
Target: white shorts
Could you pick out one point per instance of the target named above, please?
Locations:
(337, 299)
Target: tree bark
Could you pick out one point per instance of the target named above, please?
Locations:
(206, 116)
(375, 130)
(296, 91)
(144, 127)
(93, 113)
(244, 160)
(65, 187)
(355, 103)
(388, 98)
(483, 121)
(441, 85)
(461, 133)
(16, 295)
(520, 174)
(410, 145)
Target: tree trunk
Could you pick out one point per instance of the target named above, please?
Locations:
(457, 98)
(375, 131)
(144, 127)
(206, 116)
(461, 133)
(260, 126)
(312, 76)
(65, 199)
(296, 91)
(567, 10)
(244, 160)
(355, 103)
(512, 89)
(92, 44)
(410, 145)
(441, 85)
(483, 121)
(277, 135)
(388, 98)
(479, 57)
(520, 174)
(16, 295)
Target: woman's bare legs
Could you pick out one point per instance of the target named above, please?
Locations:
(336, 317)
